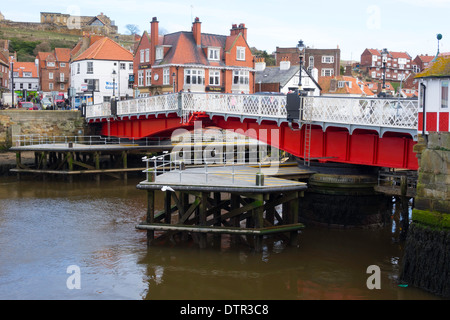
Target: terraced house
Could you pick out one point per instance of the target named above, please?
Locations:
(194, 61)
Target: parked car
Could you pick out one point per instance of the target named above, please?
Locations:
(27, 105)
(46, 104)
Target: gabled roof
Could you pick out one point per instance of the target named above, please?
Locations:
(106, 49)
(62, 54)
(145, 36)
(438, 68)
(397, 55)
(276, 75)
(185, 51)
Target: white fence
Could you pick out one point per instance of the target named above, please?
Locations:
(398, 113)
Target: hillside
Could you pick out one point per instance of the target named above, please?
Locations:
(27, 42)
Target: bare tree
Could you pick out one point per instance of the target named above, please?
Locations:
(132, 28)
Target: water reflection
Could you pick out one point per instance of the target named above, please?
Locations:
(47, 226)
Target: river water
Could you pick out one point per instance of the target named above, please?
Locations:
(47, 227)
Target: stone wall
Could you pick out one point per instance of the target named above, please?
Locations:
(50, 123)
(426, 262)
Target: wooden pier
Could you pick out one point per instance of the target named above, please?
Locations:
(236, 200)
(70, 159)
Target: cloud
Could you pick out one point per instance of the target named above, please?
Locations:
(427, 3)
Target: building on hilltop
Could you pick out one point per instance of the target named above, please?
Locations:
(102, 72)
(100, 24)
(421, 62)
(194, 61)
(398, 65)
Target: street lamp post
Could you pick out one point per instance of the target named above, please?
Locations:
(114, 83)
(301, 48)
(384, 55)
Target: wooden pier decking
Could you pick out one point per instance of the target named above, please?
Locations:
(234, 200)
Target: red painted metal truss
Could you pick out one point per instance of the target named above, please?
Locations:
(335, 144)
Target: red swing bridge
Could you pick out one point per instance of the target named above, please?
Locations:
(377, 132)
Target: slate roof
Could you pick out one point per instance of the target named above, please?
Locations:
(275, 75)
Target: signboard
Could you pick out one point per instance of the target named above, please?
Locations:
(109, 85)
(215, 89)
(84, 87)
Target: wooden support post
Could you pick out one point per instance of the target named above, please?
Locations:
(97, 165)
(125, 164)
(202, 218)
(167, 207)
(216, 216)
(294, 207)
(235, 221)
(258, 221)
(150, 214)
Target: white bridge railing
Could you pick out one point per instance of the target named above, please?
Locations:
(398, 113)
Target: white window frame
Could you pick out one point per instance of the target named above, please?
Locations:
(327, 59)
(140, 78)
(166, 76)
(159, 53)
(141, 54)
(147, 55)
(122, 66)
(194, 76)
(62, 65)
(50, 86)
(214, 77)
(90, 67)
(50, 64)
(214, 54)
(444, 84)
(240, 53)
(148, 77)
(327, 72)
(50, 75)
(61, 76)
(241, 77)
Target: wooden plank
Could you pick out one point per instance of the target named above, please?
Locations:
(226, 230)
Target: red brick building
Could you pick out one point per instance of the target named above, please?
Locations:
(398, 65)
(4, 66)
(194, 61)
(54, 70)
(326, 61)
(421, 62)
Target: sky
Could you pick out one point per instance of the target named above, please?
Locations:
(398, 25)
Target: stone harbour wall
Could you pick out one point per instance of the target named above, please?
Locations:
(14, 123)
(426, 262)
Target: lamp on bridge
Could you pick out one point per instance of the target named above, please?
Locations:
(114, 73)
(301, 48)
(384, 57)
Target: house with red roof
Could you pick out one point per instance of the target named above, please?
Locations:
(194, 61)
(421, 62)
(53, 71)
(26, 79)
(344, 86)
(102, 72)
(398, 65)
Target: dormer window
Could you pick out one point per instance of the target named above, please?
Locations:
(159, 53)
(214, 54)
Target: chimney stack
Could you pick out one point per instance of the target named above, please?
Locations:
(197, 31)
(285, 64)
(154, 36)
(235, 30)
